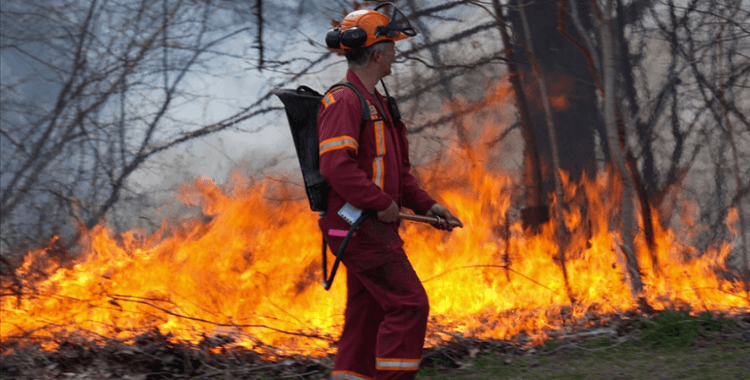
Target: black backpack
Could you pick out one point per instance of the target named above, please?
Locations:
(301, 107)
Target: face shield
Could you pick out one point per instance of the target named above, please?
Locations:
(398, 22)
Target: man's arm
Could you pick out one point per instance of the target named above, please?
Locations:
(339, 121)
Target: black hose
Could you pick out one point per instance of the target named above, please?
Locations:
(327, 282)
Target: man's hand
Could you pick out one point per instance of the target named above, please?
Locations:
(390, 214)
(447, 221)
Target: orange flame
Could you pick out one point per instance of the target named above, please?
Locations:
(252, 271)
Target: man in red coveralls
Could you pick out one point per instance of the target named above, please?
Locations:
(387, 308)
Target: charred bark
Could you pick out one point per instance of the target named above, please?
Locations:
(258, 13)
(539, 213)
(560, 232)
(617, 148)
(571, 85)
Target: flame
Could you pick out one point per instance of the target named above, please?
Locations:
(252, 270)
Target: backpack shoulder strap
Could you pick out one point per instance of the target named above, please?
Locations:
(362, 100)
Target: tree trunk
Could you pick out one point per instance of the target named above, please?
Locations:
(627, 217)
(544, 97)
(534, 194)
(570, 86)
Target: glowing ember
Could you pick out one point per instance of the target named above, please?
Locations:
(253, 271)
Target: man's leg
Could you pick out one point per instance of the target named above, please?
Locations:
(400, 338)
(376, 261)
(355, 358)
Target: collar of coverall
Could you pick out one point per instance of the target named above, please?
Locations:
(376, 97)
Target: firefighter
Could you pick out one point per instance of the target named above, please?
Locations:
(387, 307)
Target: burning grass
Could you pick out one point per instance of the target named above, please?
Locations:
(253, 269)
(251, 272)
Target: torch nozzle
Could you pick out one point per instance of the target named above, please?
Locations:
(423, 219)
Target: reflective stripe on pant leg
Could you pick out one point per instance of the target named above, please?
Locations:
(348, 375)
(384, 364)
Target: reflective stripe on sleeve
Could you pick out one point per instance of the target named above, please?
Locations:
(328, 100)
(335, 143)
(348, 375)
(397, 364)
(378, 171)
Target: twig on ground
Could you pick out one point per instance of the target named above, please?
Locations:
(314, 336)
(573, 345)
(299, 374)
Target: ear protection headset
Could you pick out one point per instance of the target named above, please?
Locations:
(352, 38)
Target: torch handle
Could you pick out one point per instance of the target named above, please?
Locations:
(420, 218)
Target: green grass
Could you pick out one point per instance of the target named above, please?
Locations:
(728, 360)
(671, 345)
(679, 329)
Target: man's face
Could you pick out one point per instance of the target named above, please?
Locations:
(388, 58)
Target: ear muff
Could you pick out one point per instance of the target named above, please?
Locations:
(353, 37)
(333, 40)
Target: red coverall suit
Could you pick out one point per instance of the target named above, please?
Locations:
(386, 308)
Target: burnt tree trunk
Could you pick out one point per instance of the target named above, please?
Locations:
(534, 194)
(571, 90)
(544, 95)
(617, 151)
